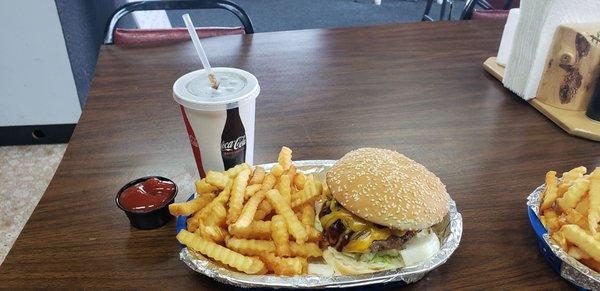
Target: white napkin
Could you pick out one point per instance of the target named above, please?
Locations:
(507, 37)
(533, 37)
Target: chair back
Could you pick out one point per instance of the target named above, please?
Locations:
(147, 35)
(489, 15)
(124, 36)
(489, 9)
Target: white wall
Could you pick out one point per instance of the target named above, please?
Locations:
(36, 82)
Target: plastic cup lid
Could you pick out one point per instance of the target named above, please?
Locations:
(236, 87)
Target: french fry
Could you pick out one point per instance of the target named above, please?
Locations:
(248, 265)
(313, 234)
(574, 174)
(280, 236)
(269, 182)
(551, 219)
(189, 207)
(193, 222)
(594, 197)
(295, 227)
(305, 250)
(248, 211)
(573, 195)
(291, 173)
(550, 190)
(543, 221)
(307, 214)
(233, 172)
(217, 179)
(223, 196)
(264, 209)
(578, 253)
(250, 190)
(257, 176)
(285, 266)
(203, 187)
(285, 158)
(577, 236)
(256, 230)
(277, 170)
(254, 247)
(573, 216)
(251, 247)
(204, 213)
(326, 190)
(216, 216)
(285, 188)
(308, 194)
(236, 199)
(562, 189)
(568, 178)
(583, 206)
(216, 219)
(299, 180)
(317, 184)
(214, 233)
(562, 219)
(560, 239)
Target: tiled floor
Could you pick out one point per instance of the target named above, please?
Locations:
(25, 172)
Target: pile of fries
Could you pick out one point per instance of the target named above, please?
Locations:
(253, 221)
(570, 211)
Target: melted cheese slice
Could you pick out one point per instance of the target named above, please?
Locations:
(365, 232)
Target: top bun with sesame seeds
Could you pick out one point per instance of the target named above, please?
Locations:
(389, 189)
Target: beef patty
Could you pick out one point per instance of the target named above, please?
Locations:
(393, 242)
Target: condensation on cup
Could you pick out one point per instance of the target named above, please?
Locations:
(220, 123)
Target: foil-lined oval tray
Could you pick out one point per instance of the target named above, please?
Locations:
(566, 266)
(449, 231)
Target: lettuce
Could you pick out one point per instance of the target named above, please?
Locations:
(389, 258)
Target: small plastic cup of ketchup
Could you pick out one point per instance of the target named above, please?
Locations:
(145, 201)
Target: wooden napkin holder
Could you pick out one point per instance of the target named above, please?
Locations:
(569, 79)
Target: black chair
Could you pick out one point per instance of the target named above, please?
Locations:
(152, 36)
(445, 3)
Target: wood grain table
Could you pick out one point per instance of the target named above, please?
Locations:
(416, 88)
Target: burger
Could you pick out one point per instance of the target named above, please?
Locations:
(380, 212)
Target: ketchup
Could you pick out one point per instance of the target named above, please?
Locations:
(147, 195)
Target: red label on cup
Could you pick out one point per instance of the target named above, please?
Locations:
(194, 143)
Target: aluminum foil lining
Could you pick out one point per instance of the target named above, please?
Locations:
(449, 231)
(571, 269)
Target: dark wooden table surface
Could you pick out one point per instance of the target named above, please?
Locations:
(416, 88)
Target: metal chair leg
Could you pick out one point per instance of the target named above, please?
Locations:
(426, 16)
(443, 10)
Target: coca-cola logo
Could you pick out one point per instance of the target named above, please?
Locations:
(233, 144)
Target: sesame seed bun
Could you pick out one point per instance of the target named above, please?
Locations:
(387, 188)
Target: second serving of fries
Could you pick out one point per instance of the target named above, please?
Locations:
(570, 211)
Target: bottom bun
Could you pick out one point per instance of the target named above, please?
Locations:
(420, 248)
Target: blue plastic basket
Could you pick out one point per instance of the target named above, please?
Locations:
(554, 261)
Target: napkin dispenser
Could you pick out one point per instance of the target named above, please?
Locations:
(572, 67)
(569, 80)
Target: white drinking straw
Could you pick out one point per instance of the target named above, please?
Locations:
(212, 78)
